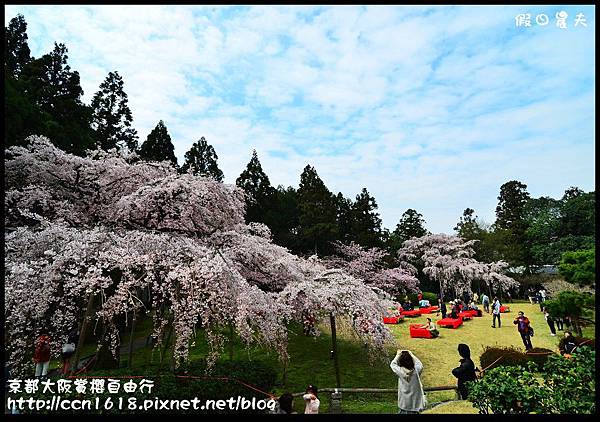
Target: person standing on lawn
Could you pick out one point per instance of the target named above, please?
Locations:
(496, 313)
(523, 325)
(312, 400)
(465, 372)
(485, 301)
(550, 321)
(475, 297)
(408, 368)
(442, 308)
(41, 357)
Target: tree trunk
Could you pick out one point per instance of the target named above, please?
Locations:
(83, 331)
(130, 357)
(285, 373)
(334, 350)
(104, 356)
(231, 339)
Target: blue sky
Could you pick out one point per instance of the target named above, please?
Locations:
(430, 108)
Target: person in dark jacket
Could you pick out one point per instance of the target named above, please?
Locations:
(466, 371)
(442, 308)
(523, 325)
(570, 343)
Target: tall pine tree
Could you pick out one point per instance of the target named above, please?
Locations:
(411, 224)
(16, 49)
(259, 192)
(366, 224)
(111, 118)
(158, 146)
(317, 220)
(344, 216)
(283, 218)
(511, 220)
(22, 117)
(49, 83)
(202, 159)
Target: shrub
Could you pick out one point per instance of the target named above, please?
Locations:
(539, 356)
(431, 297)
(572, 382)
(579, 266)
(493, 357)
(508, 389)
(566, 385)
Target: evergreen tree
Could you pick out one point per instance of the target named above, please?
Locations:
(53, 88)
(344, 216)
(317, 220)
(16, 49)
(202, 159)
(158, 145)
(411, 224)
(578, 213)
(284, 218)
(511, 218)
(259, 192)
(111, 118)
(467, 227)
(366, 224)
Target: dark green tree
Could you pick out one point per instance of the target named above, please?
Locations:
(344, 217)
(111, 118)
(511, 218)
(158, 146)
(467, 227)
(411, 224)
(284, 218)
(53, 88)
(578, 216)
(259, 192)
(16, 49)
(366, 224)
(317, 220)
(543, 224)
(579, 266)
(202, 159)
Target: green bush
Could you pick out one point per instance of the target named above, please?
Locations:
(508, 390)
(572, 382)
(579, 266)
(565, 385)
(431, 297)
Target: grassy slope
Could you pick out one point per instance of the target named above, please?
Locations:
(311, 364)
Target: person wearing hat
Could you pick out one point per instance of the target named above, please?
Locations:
(312, 400)
(466, 371)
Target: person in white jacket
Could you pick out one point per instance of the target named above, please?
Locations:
(408, 368)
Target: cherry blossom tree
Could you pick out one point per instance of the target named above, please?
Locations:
(108, 236)
(448, 261)
(368, 264)
(334, 294)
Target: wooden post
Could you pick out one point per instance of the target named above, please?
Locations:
(334, 351)
(83, 331)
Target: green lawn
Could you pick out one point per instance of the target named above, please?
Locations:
(310, 361)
